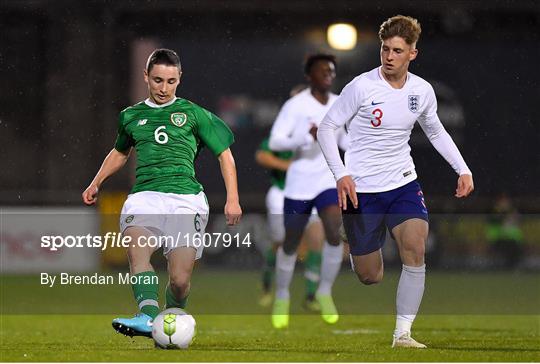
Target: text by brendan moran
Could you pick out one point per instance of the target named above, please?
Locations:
(50, 280)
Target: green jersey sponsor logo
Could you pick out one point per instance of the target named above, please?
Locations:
(178, 118)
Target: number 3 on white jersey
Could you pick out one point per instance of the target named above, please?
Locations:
(160, 136)
(378, 118)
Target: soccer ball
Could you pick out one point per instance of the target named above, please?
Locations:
(173, 329)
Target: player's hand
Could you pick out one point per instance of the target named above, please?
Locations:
(313, 132)
(346, 187)
(465, 186)
(286, 163)
(89, 196)
(233, 212)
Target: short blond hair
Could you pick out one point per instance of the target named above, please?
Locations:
(402, 26)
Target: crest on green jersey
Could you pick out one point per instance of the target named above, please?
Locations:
(178, 118)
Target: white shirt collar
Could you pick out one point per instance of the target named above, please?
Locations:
(154, 105)
(379, 69)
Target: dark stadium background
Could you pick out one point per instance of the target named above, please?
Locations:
(68, 68)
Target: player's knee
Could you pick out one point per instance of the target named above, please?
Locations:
(416, 251)
(290, 245)
(370, 277)
(288, 248)
(333, 237)
(180, 283)
(138, 258)
(418, 255)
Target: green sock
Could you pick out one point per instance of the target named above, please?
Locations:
(312, 272)
(171, 300)
(146, 294)
(268, 271)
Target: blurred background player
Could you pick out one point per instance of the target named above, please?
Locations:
(312, 240)
(379, 109)
(168, 134)
(309, 183)
(504, 234)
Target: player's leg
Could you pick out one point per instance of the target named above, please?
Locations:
(332, 252)
(313, 239)
(366, 233)
(139, 221)
(146, 286)
(180, 262)
(369, 267)
(410, 237)
(274, 208)
(268, 274)
(408, 222)
(186, 223)
(296, 215)
(140, 267)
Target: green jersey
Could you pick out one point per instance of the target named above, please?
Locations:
(277, 176)
(168, 139)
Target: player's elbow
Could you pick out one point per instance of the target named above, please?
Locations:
(260, 158)
(226, 157)
(326, 128)
(320, 133)
(274, 143)
(436, 133)
(119, 157)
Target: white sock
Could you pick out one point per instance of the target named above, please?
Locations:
(284, 273)
(409, 295)
(332, 257)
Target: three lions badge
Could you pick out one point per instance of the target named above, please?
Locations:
(413, 102)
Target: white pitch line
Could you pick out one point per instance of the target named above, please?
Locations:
(355, 332)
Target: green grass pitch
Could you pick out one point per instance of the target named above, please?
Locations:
(464, 317)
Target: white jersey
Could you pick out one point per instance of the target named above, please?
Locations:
(308, 175)
(379, 120)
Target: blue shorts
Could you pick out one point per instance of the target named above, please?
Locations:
(298, 212)
(366, 225)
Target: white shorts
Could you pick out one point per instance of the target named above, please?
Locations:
(274, 207)
(173, 218)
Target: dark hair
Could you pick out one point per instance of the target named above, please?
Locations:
(163, 56)
(312, 59)
(401, 26)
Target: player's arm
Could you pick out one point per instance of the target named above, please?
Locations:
(217, 136)
(342, 139)
(269, 161)
(233, 211)
(443, 143)
(343, 110)
(111, 164)
(286, 133)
